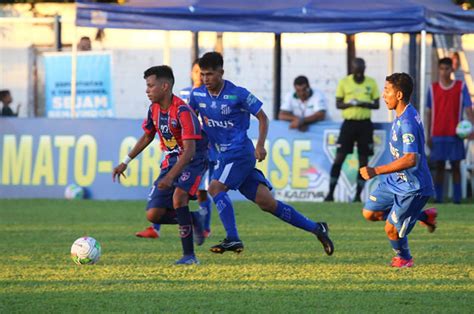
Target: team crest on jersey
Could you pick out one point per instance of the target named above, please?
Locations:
(174, 123)
(185, 176)
(164, 129)
(225, 110)
(408, 138)
(213, 105)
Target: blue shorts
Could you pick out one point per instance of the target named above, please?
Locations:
(206, 178)
(404, 209)
(447, 148)
(238, 172)
(188, 181)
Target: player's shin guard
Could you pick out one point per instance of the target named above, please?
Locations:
(185, 230)
(290, 215)
(400, 247)
(457, 193)
(205, 209)
(227, 216)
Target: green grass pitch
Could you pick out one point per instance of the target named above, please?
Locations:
(281, 270)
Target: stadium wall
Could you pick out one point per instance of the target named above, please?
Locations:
(38, 159)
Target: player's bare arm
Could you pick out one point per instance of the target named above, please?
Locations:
(189, 149)
(260, 151)
(141, 144)
(407, 161)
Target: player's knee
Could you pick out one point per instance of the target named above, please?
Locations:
(202, 196)
(371, 215)
(391, 231)
(368, 215)
(215, 188)
(180, 198)
(154, 215)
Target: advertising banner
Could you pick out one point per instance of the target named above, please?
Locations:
(39, 159)
(93, 85)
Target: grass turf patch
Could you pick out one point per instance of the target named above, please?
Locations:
(282, 269)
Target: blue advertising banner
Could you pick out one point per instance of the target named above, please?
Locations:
(93, 85)
(38, 159)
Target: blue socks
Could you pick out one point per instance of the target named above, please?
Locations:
(457, 193)
(288, 214)
(185, 230)
(157, 227)
(227, 216)
(400, 247)
(438, 193)
(205, 209)
(422, 216)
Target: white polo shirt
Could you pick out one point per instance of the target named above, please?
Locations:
(313, 104)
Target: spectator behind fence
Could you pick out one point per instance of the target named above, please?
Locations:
(6, 99)
(446, 102)
(84, 44)
(304, 106)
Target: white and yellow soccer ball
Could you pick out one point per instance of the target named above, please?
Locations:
(85, 251)
(74, 192)
(463, 129)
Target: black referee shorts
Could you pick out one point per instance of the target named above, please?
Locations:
(360, 131)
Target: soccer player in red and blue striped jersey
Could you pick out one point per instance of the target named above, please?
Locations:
(185, 150)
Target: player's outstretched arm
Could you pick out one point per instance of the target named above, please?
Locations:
(141, 144)
(405, 162)
(189, 149)
(260, 151)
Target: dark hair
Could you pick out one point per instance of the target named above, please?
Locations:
(446, 61)
(161, 71)
(402, 82)
(301, 80)
(211, 60)
(4, 93)
(195, 62)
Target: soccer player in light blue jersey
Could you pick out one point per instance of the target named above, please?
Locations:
(225, 110)
(400, 197)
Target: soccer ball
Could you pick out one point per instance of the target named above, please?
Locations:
(73, 192)
(463, 129)
(85, 250)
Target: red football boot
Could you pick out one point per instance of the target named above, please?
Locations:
(399, 262)
(430, 222)
(149, 232)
